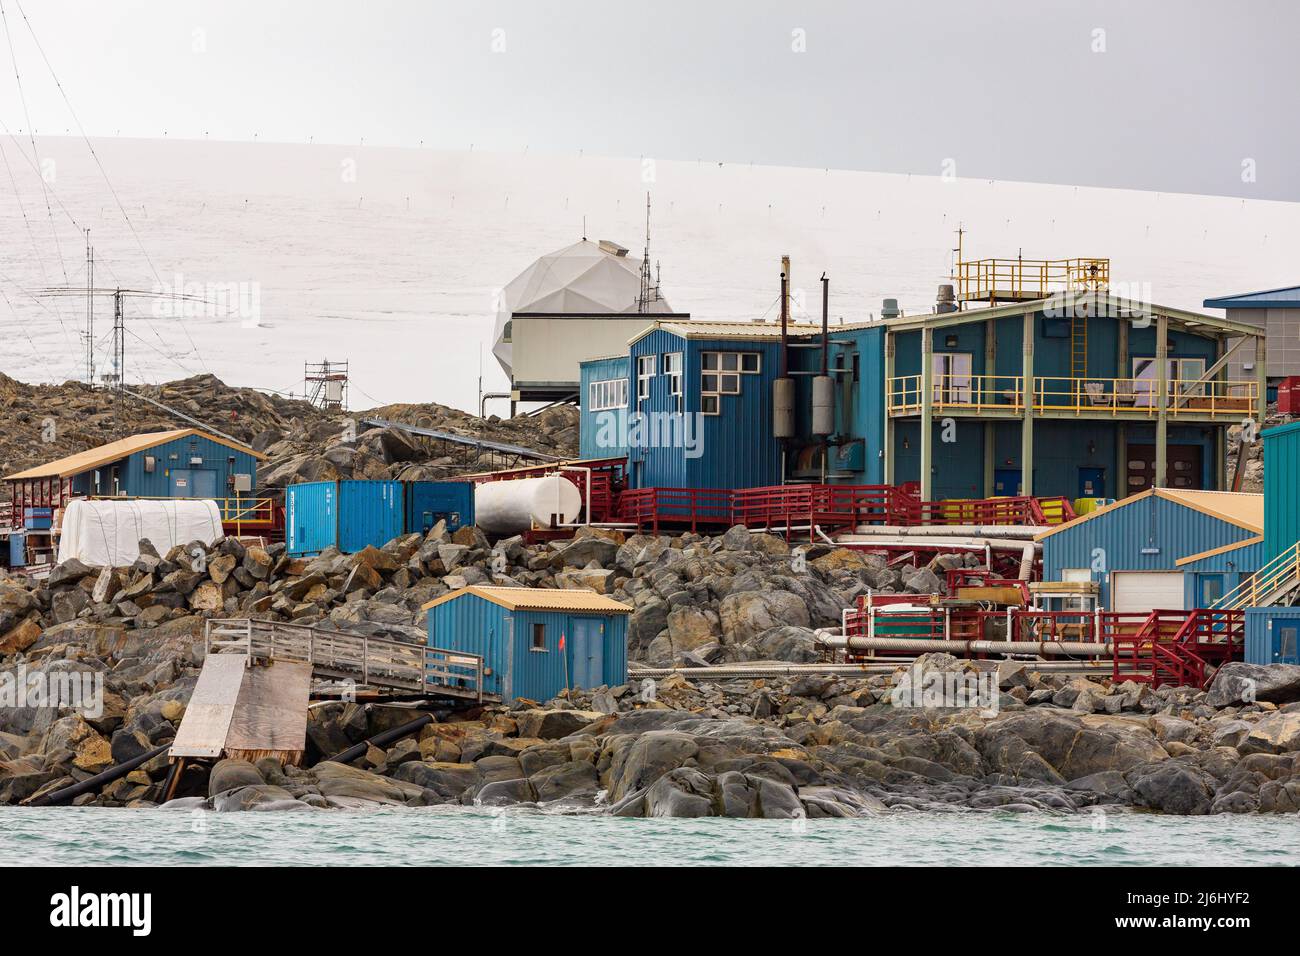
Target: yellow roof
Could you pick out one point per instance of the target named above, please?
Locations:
(1224, 549)
(538, 599)
(1243, 509)
(94, 457)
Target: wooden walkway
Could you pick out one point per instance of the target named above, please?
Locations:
(338, 656)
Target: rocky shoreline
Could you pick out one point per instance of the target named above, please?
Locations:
(751, 747)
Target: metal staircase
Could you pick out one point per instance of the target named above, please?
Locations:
(1278, 582)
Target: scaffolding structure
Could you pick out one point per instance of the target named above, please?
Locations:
(325, 384)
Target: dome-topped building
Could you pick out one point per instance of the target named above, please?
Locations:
(583, 281)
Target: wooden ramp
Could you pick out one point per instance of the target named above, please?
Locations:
(241, 708)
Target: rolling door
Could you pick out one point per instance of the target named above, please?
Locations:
(1146, 590)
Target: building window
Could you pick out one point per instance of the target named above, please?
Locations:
(645, 371)
(952, 377)
(607, 395)
(720, 374)
(672, 370)
(539, 637)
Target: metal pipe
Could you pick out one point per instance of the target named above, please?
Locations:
(785, 318)
(925, 645)
(98, 780)
(750, 671)
(379, 740)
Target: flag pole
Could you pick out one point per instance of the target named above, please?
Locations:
(565, 656)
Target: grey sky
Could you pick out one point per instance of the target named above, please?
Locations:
(1184, 92)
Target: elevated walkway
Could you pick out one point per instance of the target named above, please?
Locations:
(1277, 583)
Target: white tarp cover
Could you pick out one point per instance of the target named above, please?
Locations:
(108, 533)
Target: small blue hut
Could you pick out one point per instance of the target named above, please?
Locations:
(534, 641)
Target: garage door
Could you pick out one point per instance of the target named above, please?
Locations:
(1146, 590)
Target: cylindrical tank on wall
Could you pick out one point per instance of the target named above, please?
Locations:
(823, 405)
(512, 507)
(783, 407)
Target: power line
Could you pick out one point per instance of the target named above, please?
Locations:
(103, 172)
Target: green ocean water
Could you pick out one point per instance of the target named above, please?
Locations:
(455, 835)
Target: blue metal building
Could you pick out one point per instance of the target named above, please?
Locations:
(1273, 635)
(1102, 397)
(604, 400)
(1281, 503)
(1161, 549)
(184, 463)
(518, 632)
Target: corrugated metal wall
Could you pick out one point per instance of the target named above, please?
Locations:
(1263, 638)
(1150, 534)
(428, 502)
(594, 434)
(346, 514)
(475, 626)
(176, 455)
(1281, 503)
(736, 447)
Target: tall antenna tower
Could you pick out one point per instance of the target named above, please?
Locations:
(90, 312)
(325, 384)
(649, 284)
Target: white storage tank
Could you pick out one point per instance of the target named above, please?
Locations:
(512, 507)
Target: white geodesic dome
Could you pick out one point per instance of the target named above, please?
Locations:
(584, 277)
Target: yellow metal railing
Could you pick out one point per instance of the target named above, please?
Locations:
(1134, 397)
(1028, 279)
(1003, 392)
(1281, 571)
(232, 510)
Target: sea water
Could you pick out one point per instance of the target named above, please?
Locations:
(457, 835)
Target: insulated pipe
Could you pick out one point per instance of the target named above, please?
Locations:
(973, 544)
(98, 780)
(882, 666)
(379, 740)
(1027, 561)
(1021, 531)
(923, 645)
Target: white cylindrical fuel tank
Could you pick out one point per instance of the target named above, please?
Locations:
(783, 407)
(512, 507)
(823, 405)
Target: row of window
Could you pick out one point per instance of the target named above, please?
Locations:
(607, 395)
(720, 374)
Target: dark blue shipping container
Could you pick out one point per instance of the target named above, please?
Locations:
(428, 502)
(1273, 635)
(348, 515)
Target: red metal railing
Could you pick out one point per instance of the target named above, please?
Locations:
(690, 507)
(802, 507)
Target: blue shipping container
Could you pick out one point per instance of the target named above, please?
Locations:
(1273, 635)
(348, 515)
(428, 502)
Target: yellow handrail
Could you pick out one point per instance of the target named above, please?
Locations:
(1282, 569)
(1132, 396)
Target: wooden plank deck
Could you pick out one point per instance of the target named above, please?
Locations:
(207, 720)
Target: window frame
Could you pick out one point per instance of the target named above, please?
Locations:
(643, 378)
(607, 395)
(539, 631)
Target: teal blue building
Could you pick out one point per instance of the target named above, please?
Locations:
(534, 642)
(1162, 548)
(1081, 395)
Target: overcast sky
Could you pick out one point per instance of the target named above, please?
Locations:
(1172, 95)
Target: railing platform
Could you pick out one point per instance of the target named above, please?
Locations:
(369, 661)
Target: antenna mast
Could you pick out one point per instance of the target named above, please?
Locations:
(90, 312)
(649, 288)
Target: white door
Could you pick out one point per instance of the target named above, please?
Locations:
(1146, 590)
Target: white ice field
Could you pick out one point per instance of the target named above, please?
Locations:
(393, 258)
